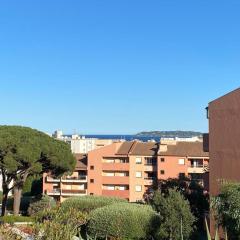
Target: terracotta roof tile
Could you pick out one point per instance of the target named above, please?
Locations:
(125, 148)
(145, 149)
(81, 161)
(193, 149)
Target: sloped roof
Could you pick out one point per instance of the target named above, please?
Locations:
(81, 161)
(145, 149)
(193, 149)
(229, 94)
(125, 148)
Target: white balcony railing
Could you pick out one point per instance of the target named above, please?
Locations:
(82, 179)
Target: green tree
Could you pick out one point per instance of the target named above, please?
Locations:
(226, 208)
(25, 152)
(194, 193)
(176, 219)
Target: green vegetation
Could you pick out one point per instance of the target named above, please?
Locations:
(89, 203)
(26, 152)
(193, 192)
(122, 221)
(32, 186)
(44, 203)
(226, 206)
(12, 219)
(24, 205)
(176, 219)
(57, 224)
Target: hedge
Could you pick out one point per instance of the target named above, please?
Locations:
(122, 221)
(89, 203)
(45, 202)
(12, 219)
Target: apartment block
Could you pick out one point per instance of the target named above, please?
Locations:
(68, 186)
(184, 159)
(130, 169)
(223, 141)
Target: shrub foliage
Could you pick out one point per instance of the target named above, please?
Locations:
(89, 203)
(45, 202)
(176, 219)
(122, 221)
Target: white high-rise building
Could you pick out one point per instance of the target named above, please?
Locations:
(81, 144)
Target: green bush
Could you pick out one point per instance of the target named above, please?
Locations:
(12, 219)
(58, 224)
(25, 202)
(89, 203)
(45, 202)
(71, 216)
(226, 207)
(122, 221)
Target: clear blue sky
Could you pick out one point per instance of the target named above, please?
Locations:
(119, 66)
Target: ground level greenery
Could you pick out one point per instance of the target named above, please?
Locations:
(168, 215)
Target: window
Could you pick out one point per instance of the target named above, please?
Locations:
(162, 159)
(138, 174)
(91, 180)
(181, 161)
(138, 160)
(92, 167)
(162, 172)
(138, 188)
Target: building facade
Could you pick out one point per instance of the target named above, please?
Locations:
(224, 139)
(81, 144)
(130, 169)
(68, 186)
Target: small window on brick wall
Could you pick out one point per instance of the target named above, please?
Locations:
(91, 180)
(92, 167)
(162, 172)
(162, 159)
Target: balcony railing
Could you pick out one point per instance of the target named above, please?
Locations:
(198, 168)
(50, 179)
(71, 192)
(75, 179)
(196, 165)
(54, 192)
(149, 180)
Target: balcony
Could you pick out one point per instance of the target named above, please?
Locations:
(116, 193)
(50, 179)
(149, 181)
(115, 166)
(115, 180)
(71, 192)
(197, 168)
(54, 192)
(80, 179)
(150, 168)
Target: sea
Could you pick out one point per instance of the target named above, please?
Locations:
(125, 137)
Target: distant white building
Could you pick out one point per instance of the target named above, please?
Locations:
(81, 144)
(178, 139)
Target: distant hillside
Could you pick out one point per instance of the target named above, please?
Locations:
(169, 134)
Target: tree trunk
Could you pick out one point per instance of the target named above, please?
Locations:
(17, 200)
(4, 202)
